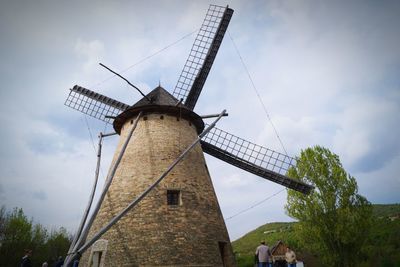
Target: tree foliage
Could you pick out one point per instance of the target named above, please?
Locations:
(334, 219)
(18, 233)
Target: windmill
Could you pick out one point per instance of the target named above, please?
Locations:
(159, 169)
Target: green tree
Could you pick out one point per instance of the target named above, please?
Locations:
(15, 237)
(17, 233)
(38, 244)
(3, 221)
(334, 220)
(58, 244)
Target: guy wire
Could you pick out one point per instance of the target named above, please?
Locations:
(258, 95)
(254, 205)
(147, 57)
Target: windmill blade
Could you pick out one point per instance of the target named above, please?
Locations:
(202, 55)
(253, 158)
(93, 104)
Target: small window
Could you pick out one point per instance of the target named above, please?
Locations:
(173, 197)
(96, 259)
(97, 255)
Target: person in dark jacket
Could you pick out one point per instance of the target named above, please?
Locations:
(26, 259)
(59, 262)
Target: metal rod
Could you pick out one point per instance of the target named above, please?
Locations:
(179, 102)
(119, 75)
(109, 134)
(212, 116)
(110, 176)
(83, 248)
(86, 213)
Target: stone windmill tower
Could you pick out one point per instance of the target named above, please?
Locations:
(158, 206)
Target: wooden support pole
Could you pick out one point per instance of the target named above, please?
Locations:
(110, 176)
(86, 213)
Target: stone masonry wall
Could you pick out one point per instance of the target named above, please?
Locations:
(154, 233)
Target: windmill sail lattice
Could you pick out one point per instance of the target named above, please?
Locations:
(94, 104)
(202, 55)
(253, 158)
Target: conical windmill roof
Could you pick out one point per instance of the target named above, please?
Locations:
(159, 96)
(161, 101)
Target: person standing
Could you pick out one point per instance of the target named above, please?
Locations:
(26, 259)
(290, 257)
(263, 253)
(59, 262)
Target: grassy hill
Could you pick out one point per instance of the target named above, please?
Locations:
(385, 210)
(382, 248)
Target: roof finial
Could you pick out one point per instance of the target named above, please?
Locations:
(159, 83)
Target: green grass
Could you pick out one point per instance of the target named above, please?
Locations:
(270, 232)
(382, 247)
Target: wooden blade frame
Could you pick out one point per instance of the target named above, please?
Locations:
(94, 104)
(253, 158)
(202, 55)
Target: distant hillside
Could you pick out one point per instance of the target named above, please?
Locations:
(382, 248)
(386, 210)
(270, 232)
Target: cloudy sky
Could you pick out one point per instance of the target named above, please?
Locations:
(328, 73)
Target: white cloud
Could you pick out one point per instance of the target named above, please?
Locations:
(234, 180)
(368, 127)
(91, 51)
(382, 185)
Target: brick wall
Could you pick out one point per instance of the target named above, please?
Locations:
(154, 233)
